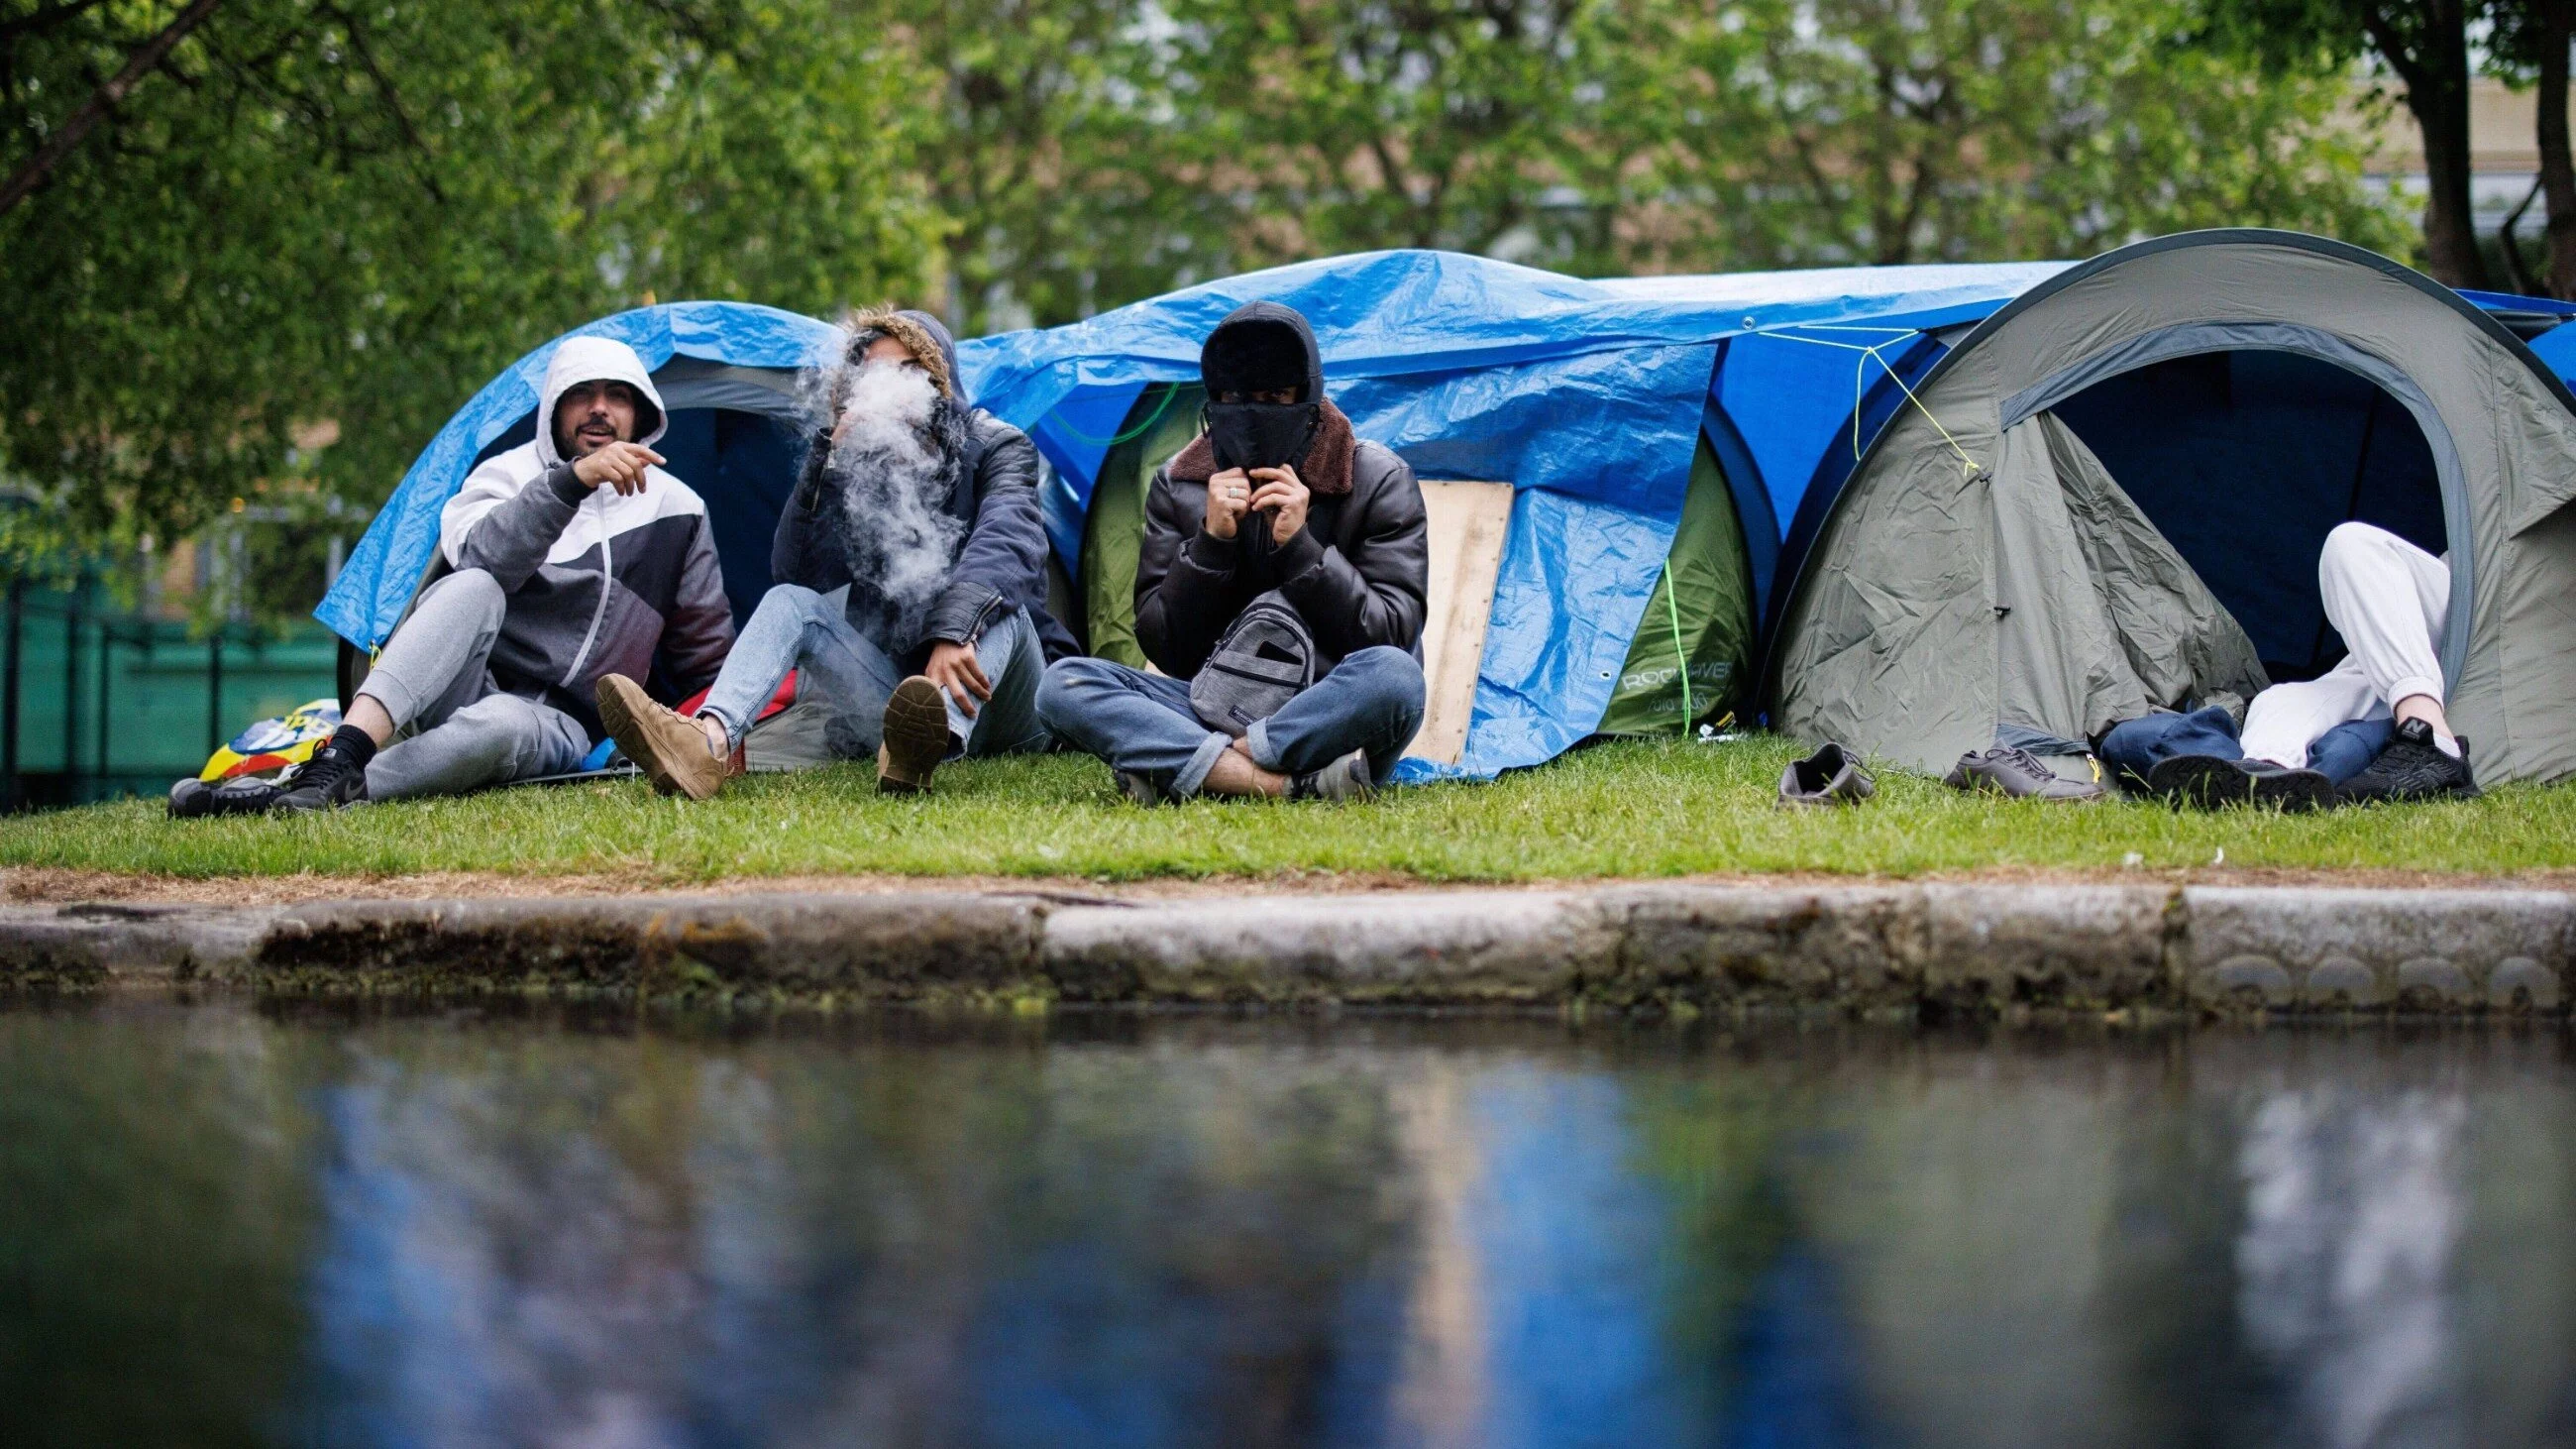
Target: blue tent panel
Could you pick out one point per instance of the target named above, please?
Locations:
(1588, 397)
(377, 583)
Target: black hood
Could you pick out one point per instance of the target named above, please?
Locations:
(1261, 346)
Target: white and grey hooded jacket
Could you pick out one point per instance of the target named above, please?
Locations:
(599, 582)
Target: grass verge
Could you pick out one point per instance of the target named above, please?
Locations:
(1621, 809)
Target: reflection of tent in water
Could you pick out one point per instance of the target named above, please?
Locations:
(727, 373)
(2112, 494)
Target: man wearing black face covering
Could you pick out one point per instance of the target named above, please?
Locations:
(1277, 500)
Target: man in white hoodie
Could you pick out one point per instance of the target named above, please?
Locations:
(570, 557)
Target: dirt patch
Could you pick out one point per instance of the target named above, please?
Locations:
(45, 886)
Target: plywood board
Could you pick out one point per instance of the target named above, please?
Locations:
(1469, 522)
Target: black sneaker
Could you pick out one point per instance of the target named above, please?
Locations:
(194, 799)
(1347, 778)
(329, 780)
(2209, 782)
(2412, 767)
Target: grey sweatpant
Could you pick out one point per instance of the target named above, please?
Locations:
(455, 728)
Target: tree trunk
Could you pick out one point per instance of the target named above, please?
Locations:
(101, 101)
(2557, 25)
(2437, 92)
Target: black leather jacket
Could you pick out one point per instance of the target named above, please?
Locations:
(1358, 572)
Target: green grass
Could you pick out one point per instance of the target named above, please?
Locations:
(1626, 809)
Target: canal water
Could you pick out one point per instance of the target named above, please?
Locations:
(221, 1225)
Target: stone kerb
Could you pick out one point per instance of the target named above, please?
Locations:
(1892, 951)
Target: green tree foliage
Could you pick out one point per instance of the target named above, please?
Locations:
(355, 214)
(2425, 45)
(1477, 125)
(1889, 131)
(305, 235)
(1047, 150)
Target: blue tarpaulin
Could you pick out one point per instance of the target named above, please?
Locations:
(1589, 397)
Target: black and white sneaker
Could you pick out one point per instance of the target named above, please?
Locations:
(2209, 782)
(1347, 778)
(194, 799)
(329, 780)
(2412, 767)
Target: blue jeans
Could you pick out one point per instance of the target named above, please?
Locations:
(797, 628)
(2136, 746)
(1142, 722)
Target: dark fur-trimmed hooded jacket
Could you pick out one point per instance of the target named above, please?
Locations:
(598, 582)
(1358, 572)
(1000, 563)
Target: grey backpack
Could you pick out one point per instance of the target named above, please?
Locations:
(1261, 662)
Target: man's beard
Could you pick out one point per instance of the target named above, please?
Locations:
(894, 466)
(574, 447)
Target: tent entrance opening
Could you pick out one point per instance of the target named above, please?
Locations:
(2244, 461)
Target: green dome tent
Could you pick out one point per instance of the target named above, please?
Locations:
(2110, 495)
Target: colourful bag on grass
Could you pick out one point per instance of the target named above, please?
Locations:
(273, 746)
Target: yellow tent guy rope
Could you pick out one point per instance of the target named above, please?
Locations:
(1681, 656)
(1860, 376)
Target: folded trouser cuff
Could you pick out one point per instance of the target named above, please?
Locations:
(1257, 739)
(1195, 773)
(2413, 685)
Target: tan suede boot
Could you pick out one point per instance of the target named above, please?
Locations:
(916, 737)
(671, 751)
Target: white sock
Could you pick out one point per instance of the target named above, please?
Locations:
(2446, 744)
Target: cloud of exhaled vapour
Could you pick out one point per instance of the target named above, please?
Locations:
(893, 477)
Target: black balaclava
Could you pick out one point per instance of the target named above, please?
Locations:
(1261, 348)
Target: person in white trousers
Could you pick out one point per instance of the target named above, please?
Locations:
(2390, 601)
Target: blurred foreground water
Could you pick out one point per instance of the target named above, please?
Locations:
(552, 1227)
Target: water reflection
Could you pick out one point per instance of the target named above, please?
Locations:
(221, 1227)
(2352, 1212)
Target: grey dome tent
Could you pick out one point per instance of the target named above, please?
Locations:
(2110, 495)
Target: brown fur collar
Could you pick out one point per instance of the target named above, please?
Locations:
(1326, 468)
(916, 339)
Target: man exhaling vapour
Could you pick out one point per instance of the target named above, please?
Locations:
(908, 587)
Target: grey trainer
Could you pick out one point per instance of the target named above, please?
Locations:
(1830, 776)
(2019, 774)
(1347, 778)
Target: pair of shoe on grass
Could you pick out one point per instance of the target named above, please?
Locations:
(328, 779)
(2410, 767)
(674, 752)
(1832, 776)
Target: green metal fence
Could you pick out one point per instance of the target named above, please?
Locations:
(97, 703)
